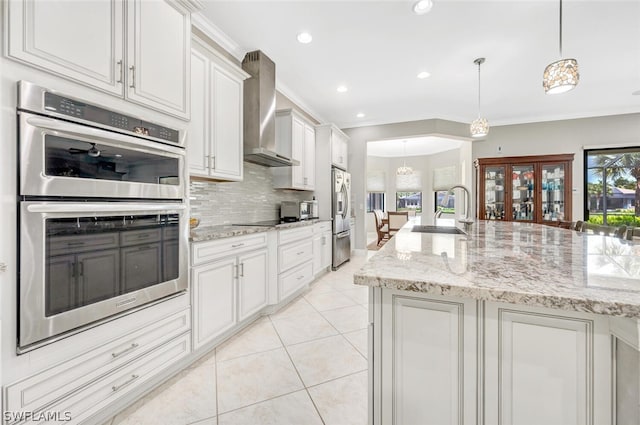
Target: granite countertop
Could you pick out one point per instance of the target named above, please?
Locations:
(209, 233)
(518, 263)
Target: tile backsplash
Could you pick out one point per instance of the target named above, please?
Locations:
(253, 199)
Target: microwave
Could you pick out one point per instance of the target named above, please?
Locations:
(298, 210)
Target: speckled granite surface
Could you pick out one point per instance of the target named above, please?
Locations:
(514, 262)
(209, 233)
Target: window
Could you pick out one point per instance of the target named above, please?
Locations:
(409, 201)
(375, 201)
(612, 179)
(449, 208)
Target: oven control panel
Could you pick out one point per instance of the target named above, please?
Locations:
(110, 119)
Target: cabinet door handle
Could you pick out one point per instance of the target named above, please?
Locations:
(306, 181)
(75, 244)
(119, 63)
(212, 162)
(241, 269)
(133, 77)
(143, 236)
(300, 277)
(72, 271)
(300, 253)
(126, 350)
(118, 387)
(3, 267)
(81, 272)
(238, 245)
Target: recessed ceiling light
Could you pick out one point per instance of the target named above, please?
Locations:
(636, 93)
(423, 75)
(360, 115)
(304, 38)
(422, 6)
(342, 89)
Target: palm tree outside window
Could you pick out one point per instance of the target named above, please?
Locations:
(612, 186)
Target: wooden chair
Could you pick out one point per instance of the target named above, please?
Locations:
(620, 232)
(565, 225)
(397, 219)
(381, 229)
(578, 226)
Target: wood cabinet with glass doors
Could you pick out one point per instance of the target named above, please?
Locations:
(533, 189)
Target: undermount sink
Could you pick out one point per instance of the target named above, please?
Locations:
(449, 230)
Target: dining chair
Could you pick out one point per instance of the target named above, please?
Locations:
(620, 232)
(382, 229)
(397, 219)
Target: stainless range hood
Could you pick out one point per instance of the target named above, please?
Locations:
(260, 144)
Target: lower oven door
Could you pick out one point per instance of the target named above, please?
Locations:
(81, 263)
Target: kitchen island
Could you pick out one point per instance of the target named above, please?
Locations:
(514, 323)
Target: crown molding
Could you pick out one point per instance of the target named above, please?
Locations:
(282, 88)
(216, 34)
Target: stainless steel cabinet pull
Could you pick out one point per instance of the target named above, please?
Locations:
(119, 63)
(300, 253)
(3, 267)
(235, 267)
(241, 269)
(237, 245)
(126, 350)
(143, 236)
(306, 181)
(81, 272)
(324, 240)
(133, 76)
(75, 243)
(300, 277)
(212, 162)
(118, 387)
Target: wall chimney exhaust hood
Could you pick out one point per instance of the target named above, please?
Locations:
(260, 145)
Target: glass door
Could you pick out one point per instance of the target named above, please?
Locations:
(523, 184)
(494, 180)
(553, 202)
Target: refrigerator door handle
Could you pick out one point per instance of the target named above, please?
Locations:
(343, 235)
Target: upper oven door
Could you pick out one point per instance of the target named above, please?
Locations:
(59, 158)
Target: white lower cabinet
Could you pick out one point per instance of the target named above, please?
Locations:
(428, 360)
(321, 247)
(230, 284)
(441, 356)
(214, 300)
(88, 383)
(295, 260)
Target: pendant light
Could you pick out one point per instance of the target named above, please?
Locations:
(404, 170)
(560, 76)
(480, 126)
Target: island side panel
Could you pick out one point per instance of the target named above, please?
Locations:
(428, 359)
(546, 366)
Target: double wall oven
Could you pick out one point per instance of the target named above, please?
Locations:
(103, 225)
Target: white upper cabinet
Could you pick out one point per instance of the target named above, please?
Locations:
(215, 131)
(295, 131)
(158, 51)
(339, 148)
(54, 36)
(85, 41)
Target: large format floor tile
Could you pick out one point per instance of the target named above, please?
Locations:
(261, 336)
(303, 365)
(290, 409)
(325, 359)
(296, 329)
(186, 398)
(342, 401)
(257, 377)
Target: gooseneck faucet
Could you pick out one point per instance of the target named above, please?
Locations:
(466, 220)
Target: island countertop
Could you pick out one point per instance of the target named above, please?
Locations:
(519, 263)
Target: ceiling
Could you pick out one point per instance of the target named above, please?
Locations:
(376, 49)
(415, 146)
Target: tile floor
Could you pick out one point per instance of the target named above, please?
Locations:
(304, 365)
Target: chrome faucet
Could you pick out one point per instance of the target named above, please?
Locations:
(466, 220)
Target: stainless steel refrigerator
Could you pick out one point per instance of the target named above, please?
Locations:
(341, 213)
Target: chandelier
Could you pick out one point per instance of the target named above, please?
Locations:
(403, 170)
(560, 76)
(480, 126)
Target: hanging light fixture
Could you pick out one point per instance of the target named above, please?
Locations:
(480, 126)
(404, 170)
(560, 76)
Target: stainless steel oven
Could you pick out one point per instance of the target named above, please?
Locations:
(102, 209)
(83, 262)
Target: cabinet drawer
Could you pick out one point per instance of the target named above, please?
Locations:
(135, 237)
(291, 235)
(325, 226)
(295, 279)
(171, 232)
(38, 391)
(203, 252)
(99, 394)
(293, 254)
(60, 245)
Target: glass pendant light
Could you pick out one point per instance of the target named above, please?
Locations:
(560, 76)
(480, 126)
(404, 170)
